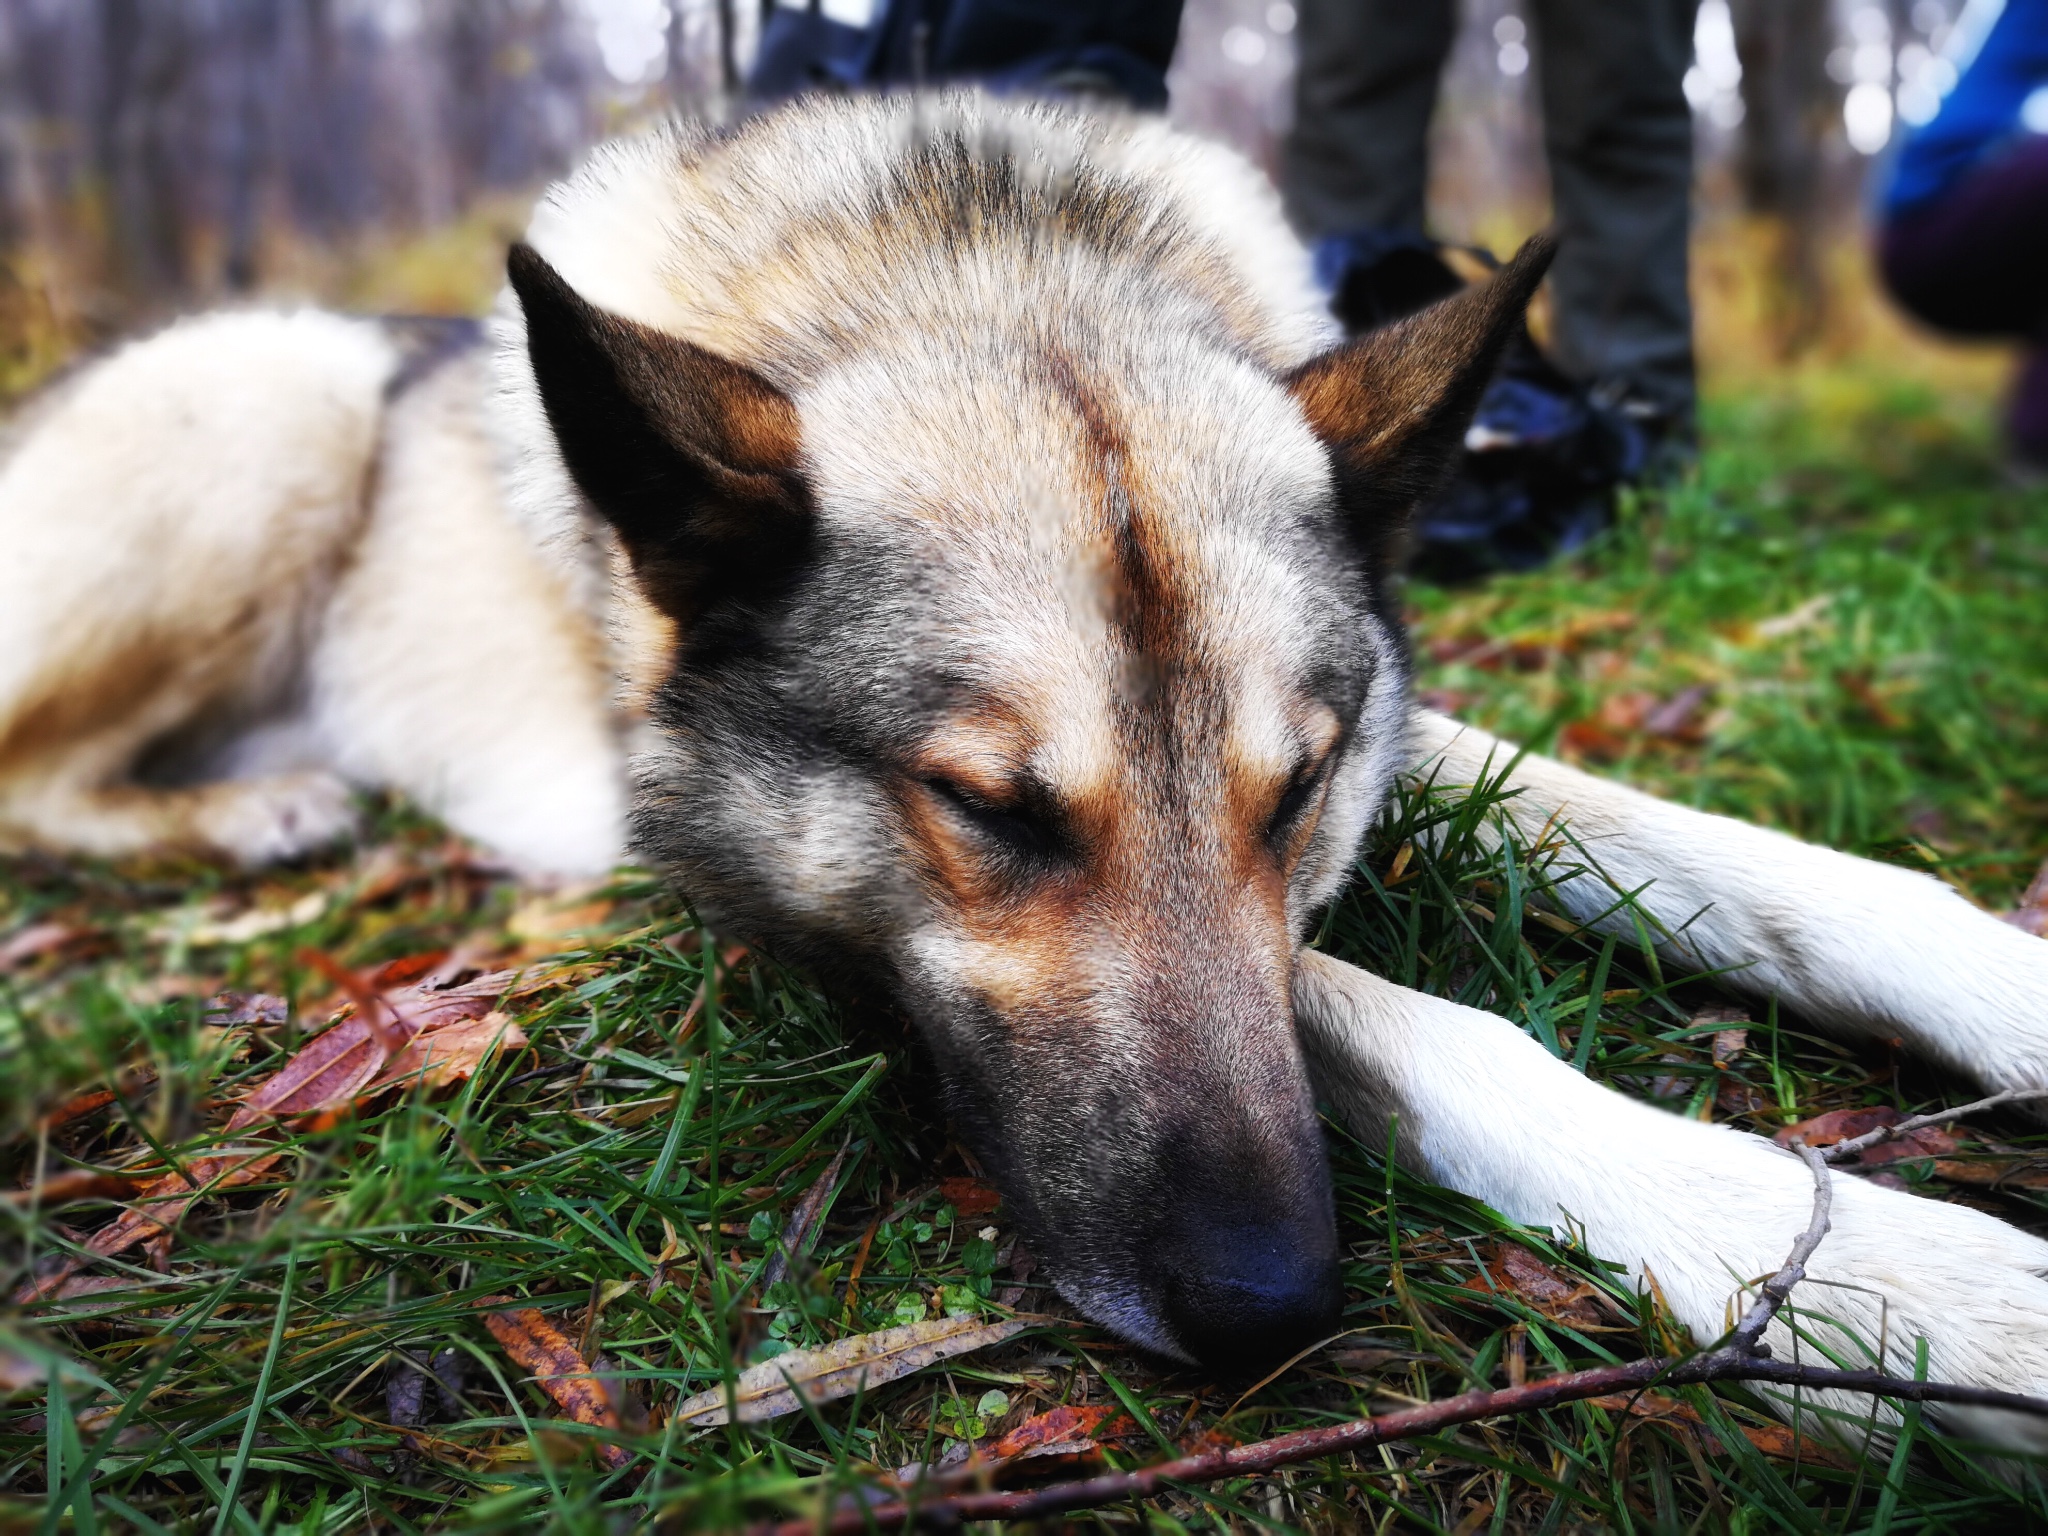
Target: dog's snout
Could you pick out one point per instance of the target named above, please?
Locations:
(1242, 1295)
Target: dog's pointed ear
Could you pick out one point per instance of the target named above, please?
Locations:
(1393, 405)
(692, 459)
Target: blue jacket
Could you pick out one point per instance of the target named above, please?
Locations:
(1982, 116)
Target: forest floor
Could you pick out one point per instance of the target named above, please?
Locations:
(651, 1159)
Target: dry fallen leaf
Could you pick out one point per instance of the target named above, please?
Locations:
(1846, 1124)
(155, 1209)
(75, 1108)
(803, 1221)
(1064, 1431)
(864, 1361)
(1516, 1271)
(329, 1071)
(2005, 1172)
(542, 1349)
(449, 1053)
(345, 1059)
(324, 1078)
(970, 1197)
(1774, 1440)
(407, 969)
(25, 946)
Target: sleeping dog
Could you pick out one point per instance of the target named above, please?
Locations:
(967, 519)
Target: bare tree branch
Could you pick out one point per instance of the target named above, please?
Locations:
(1841, 1151)
(1747, 1337)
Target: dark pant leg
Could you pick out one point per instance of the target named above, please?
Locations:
(1975, 259)
(1618, 132)
(1972, 261)
(1357, 157)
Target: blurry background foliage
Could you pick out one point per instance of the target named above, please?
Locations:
(155, 154)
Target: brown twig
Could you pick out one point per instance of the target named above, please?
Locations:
(1746, 1338)
(1843, 1150)
(1313, 1444)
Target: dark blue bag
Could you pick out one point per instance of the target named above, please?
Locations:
(1544, 455)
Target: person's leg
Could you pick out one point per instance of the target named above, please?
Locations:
(1619, 135)
(1970, 261)
(1357, 157)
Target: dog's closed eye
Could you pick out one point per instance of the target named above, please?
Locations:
(1295, 800)
(1017, 830)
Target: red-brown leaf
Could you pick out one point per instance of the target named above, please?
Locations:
(1783, 1443)
(543, 1350)
(1847, 1124)
(970, 1197)
(75, 1108)
(1838, 1125)
(449, 1053)
(1518, 1272)
(154, 1211)
(346, 1059)
(330, 1071)
(1062, 1431)
(406, 970)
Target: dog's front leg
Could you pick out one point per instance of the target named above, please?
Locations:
(1863, 948)
(1477, 1105)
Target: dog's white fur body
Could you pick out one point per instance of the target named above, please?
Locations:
(221, 537)
(413, 596)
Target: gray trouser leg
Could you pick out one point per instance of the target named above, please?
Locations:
(1357, 157)
(1619, 137)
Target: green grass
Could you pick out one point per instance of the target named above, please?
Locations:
(1906, 719)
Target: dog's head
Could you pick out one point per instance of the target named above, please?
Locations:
(1045, 681)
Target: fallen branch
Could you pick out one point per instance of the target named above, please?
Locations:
(1746, 1339)
(1841, 1151)
(1313, 1444)
(1743, 1357)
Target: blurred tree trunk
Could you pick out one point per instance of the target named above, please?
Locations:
(728, 51)
(472, 37)
(143, 61)
(1789, 107)
(253, 35)
(26, 216)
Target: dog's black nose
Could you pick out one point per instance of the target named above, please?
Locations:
(1241, 1297)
